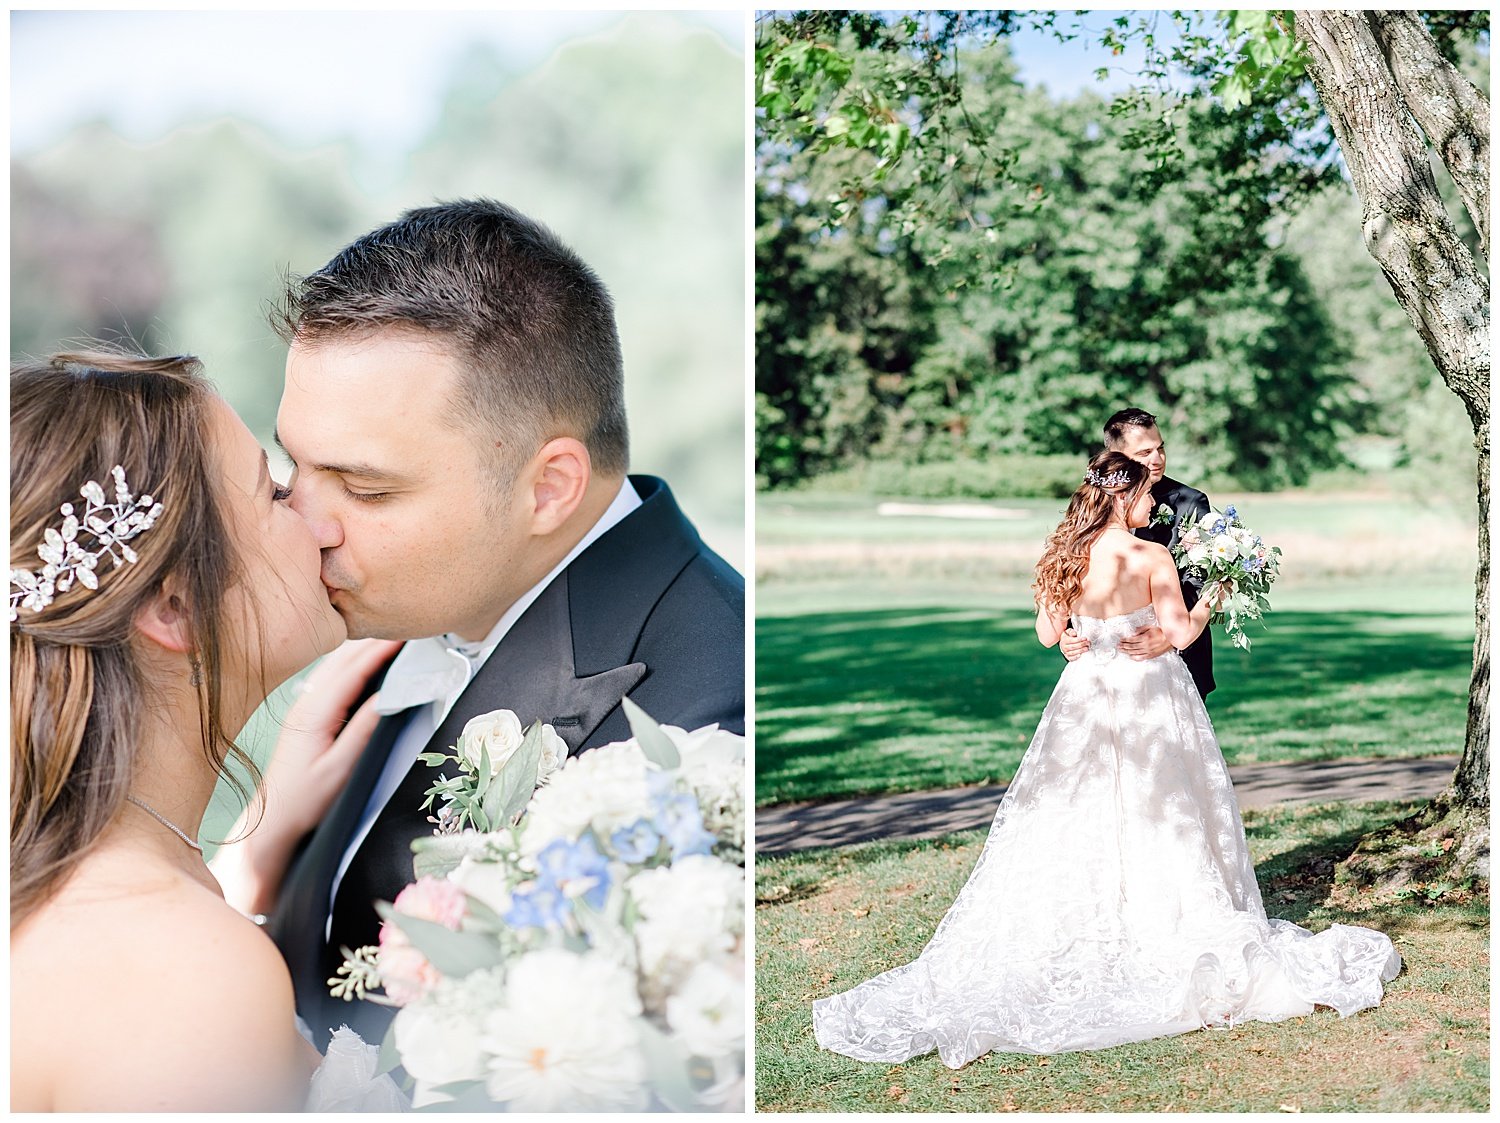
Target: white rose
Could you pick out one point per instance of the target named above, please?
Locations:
(554, 752)
(707, 1012)
(1198, 554)
(498, 731)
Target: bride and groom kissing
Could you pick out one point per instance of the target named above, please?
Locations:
(460, 505)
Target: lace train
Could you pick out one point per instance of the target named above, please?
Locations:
(1114, 900)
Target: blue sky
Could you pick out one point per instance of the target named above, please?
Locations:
(317, 77)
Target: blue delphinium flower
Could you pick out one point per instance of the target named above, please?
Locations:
(539, 905)
(1229, 511)
(576, 868)
(636, 842)
(680, 822)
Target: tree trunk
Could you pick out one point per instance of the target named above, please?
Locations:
(1370, 100)
(1450, 109)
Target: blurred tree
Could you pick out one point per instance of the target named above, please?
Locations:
(1015, 324)
(631, 145)
(66, 257)
(186, 239)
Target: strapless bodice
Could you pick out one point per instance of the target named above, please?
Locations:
(1104, 635)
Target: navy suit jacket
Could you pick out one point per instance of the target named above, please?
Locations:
(647, 610)
(1187, 504)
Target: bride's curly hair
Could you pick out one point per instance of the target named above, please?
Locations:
(77, 694)
(1065, 561)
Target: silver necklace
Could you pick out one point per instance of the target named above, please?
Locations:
(164, 821)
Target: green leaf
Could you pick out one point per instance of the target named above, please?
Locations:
(667, 1065)
(434, 861)
(657, 746)
(468, 1095)
(513, 786)
(389, 1059)
(1233, 89)
(455, 954)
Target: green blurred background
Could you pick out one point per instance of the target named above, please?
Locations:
(168, 168)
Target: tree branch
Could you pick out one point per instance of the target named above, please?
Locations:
(1450, 109)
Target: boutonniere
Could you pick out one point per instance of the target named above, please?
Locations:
(1163, 516)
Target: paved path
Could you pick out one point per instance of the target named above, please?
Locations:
(782, 828)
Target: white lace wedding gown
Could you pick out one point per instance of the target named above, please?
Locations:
(1115, 898)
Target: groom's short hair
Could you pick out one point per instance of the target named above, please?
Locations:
(533, 327)
(1128, 418)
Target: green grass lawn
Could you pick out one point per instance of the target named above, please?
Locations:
(917, 667)
(826, 921)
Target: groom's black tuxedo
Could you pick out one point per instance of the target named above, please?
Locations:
(646, 610)
(1187, 504)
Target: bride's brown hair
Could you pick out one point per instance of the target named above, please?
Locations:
(1065, 561)
(76, 692)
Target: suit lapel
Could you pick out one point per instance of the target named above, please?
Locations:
(533, 672)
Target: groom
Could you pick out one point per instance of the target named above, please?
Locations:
(454, 411)
(1134, 432)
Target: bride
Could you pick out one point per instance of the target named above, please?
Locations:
(160, 589)
(1115, 899)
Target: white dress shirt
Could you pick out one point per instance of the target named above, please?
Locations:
(428, 676)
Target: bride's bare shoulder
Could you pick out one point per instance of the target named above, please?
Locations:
(150, 993)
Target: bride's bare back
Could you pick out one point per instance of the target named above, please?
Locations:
(1125, 574)
(1119, 576)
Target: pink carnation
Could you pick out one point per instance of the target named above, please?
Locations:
(405, 971)
(432, 898)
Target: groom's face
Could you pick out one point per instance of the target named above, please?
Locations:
(1145, 446)
(415, 540)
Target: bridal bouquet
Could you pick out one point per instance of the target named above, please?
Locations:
(573, 940)
(1226, 555)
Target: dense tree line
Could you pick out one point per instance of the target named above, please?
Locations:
(1072, 269)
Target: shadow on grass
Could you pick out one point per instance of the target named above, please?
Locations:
(908, 699)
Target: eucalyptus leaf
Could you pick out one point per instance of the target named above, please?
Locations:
(667, 1063)
(433, 861)
(512, 788)
(468, 1095)
(657, 746)
(454, 954)
(389, 1059)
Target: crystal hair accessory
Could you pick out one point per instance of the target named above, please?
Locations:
(1117, 478)
(66, 560)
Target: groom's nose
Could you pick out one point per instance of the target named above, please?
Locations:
(326, 530)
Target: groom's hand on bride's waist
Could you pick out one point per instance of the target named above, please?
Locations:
(1072, 644)
(1148, 643)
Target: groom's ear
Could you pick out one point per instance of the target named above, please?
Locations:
(560, 477)
(165, 619)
